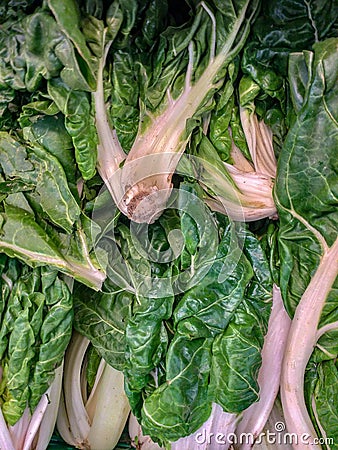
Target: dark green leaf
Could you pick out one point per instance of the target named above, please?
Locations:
(20, 355)
(53, 338)
(79, 123)
(146, 339)
(188, 366)
(35, 330)
(236, 359)
(325, 396)
(306, 190)
(101, 317)
(67, 15)
(34, 165)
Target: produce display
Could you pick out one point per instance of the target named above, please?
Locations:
(168, 224)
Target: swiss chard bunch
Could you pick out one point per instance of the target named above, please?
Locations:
(306, 199)
(36, 326)
(181, 322)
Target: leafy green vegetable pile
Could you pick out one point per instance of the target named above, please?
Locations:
(168, 196)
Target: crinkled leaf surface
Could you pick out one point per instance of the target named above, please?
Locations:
(306, 199)
(35, 330)
(36, 166)
(185, 349)
(101, 317)
(306, 189)
(79, 123)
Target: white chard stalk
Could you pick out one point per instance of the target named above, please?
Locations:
(43, 421)
(259, 139)
(138, 439)
(110, 152)
(250, 196)
(93, 422)
(301, 342)
(143, 185)
(254, 418)
(33, 431)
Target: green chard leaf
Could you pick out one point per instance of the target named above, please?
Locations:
(146, 339)
(20, 356)
(298, 25)
(102, 317)
(79, 123)
(325, 395)
(187, 373)
(17, 225)
(206, 309)
(55, 333)
(38, 167)
(43, 124)
(233, 385)
(93, 362)
(67, 15)
(35, 330)
(43, 224)
(284, 28)
(216, 322)
(124, 110)
(306, 199)
(305, 191)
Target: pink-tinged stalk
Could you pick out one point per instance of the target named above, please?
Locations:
(259, 139)
(254, 198)
(138, 439)
(35, 422)
(301, 343)
(167, 134)
(216, 433)
(19, 430)
(39, 440)
(254, 418)
(239, 212)
(110, 153)
(250, 197)
(6, 442)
